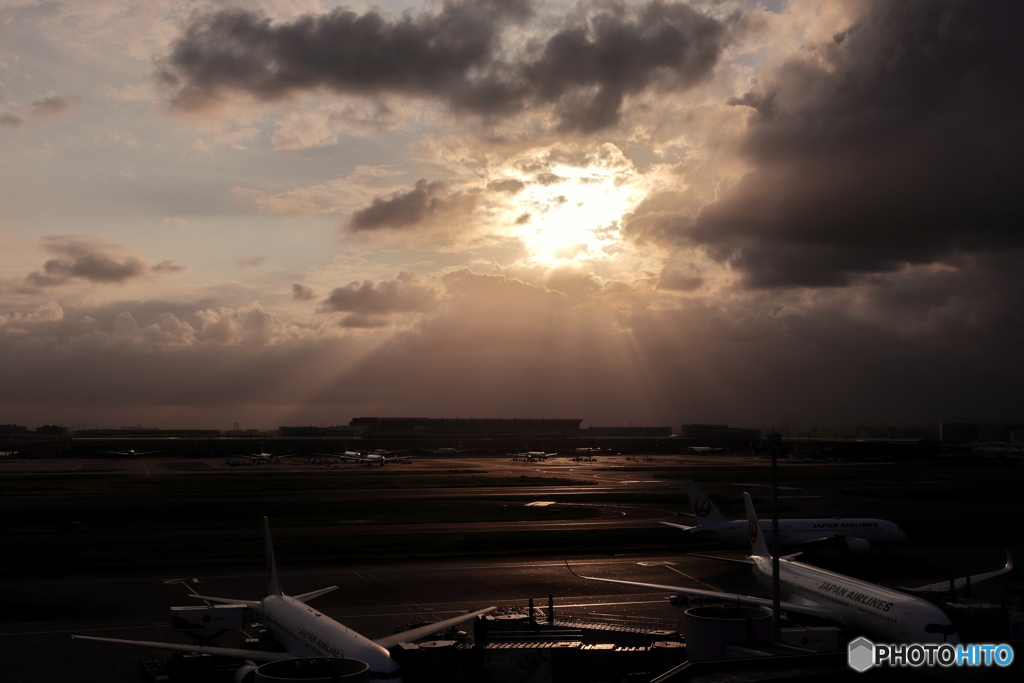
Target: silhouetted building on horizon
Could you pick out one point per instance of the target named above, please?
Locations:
(719, 433)
(626, 431)
(472, 426)
(971, 432)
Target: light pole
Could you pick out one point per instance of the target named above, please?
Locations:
(776, 598)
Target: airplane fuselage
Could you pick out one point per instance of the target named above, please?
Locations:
(303, 630)
(795, 531)
(889, 615)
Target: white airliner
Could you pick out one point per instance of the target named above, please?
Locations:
(857, 535)
(530, 456)
(303, 631)
(704, 449)
(379, 456)
(130, 453)
(268, 457)
(888, 614)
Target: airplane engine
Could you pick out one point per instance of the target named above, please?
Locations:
(858, 546)
(246, 673)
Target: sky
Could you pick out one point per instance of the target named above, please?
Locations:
(646, 213)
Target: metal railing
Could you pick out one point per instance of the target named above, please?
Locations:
(626, 621)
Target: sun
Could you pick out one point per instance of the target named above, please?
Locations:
(572, 214)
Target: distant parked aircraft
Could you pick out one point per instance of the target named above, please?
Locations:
(130, 453)
(531, 456)
(268, 457)
(996, 449)
(704, 449)
(379, 456)
(856, 535)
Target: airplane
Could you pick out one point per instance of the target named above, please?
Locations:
(371, 457)
(303, 631)
(889, 614)
(130, 453)
(855, 535)
(995, 448)
(704, 449)
(530, 456)
(268, 457)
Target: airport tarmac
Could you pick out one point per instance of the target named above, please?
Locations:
(38, 617)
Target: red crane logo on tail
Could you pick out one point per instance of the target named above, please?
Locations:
(702, 507)
(752, 525)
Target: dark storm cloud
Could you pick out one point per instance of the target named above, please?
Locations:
(904, 147)
(339, 50)
(585, 70)
(401, 295)
(588, 71)
(85, 258)
(302, 292)
(406, 209)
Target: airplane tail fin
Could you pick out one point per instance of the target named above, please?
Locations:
(705, 510)
(273, 587)
(757, 543)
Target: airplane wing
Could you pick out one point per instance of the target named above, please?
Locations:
(808, 610)
(961, 582)
(306, 597)
(721, 559)
(227, 601)
(417, 633)
(679, 526)
(254, 655)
